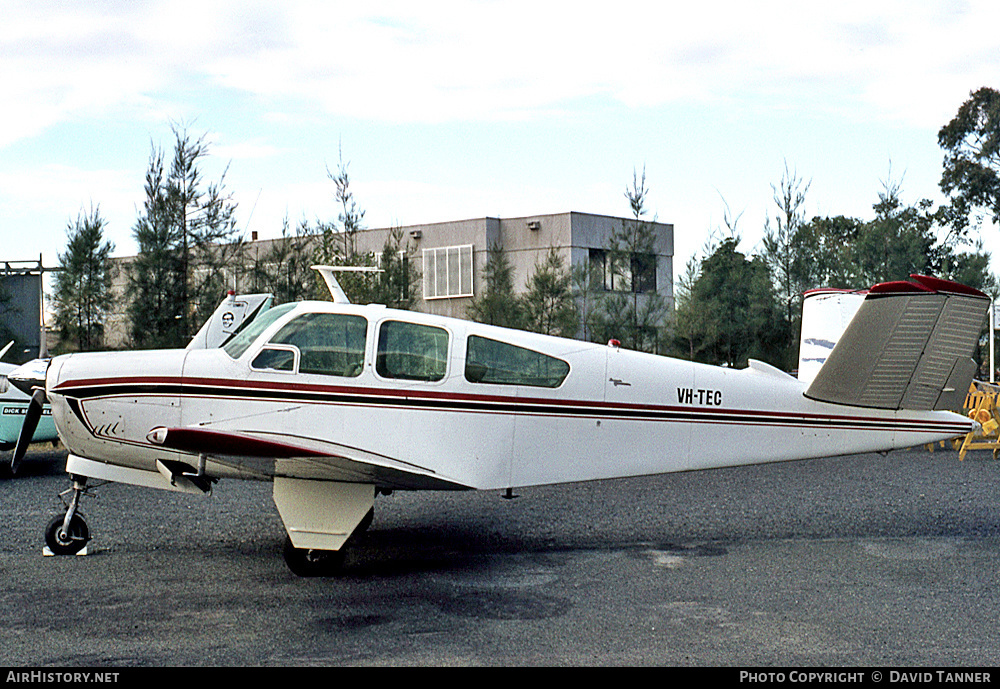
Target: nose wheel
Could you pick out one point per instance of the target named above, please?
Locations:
(67, 541)
(68, 534)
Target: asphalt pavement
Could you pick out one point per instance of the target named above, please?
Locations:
(854, 561)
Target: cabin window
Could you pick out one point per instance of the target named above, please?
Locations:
(239, 344)
(275, 359)
(329, 344)
(501, 363)
(411, 351)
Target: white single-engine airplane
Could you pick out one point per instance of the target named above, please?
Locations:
(336, 402)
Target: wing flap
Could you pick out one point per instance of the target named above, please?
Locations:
(298, 457)
(908, 347)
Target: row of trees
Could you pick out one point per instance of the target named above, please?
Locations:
(188, 242)
(730, 305)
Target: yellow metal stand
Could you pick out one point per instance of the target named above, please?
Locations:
(981, 405)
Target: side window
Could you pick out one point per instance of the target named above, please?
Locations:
(331, 344)
(275, 359)
(410, 351)
(490, 361)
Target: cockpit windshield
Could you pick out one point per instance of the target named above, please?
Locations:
(239, 344)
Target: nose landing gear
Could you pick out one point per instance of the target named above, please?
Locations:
(67, 535)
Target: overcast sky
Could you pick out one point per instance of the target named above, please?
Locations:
(454, 110)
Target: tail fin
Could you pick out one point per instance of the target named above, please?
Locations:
(909, 346)
(826, 313)
(233, 314)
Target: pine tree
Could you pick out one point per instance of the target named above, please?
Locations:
(82, 297)
(587, 281)
(498, 304)
(155, 275)
(634, 312)
(395, 285)
(393, 281)
(187, 237)
(780, 252)
(548, 304)
(285, 269)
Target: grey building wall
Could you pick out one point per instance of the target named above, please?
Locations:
(526, 240)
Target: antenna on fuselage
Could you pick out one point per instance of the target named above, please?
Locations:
(331, 280)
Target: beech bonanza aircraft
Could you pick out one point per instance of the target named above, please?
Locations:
(336, 403)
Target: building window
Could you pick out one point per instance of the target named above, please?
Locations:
(638, 276)
(411, 351)
(448, 272)
(500, 363)
(644, 272)
(404, 273)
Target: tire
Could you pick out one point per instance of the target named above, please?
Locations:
(70, 543)
(304, 562)
(366, 521)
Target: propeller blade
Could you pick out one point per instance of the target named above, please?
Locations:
(31, 418)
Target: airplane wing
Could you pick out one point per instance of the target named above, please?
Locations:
(909, 346)
(279, 454)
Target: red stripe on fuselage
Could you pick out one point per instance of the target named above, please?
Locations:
(574, 408)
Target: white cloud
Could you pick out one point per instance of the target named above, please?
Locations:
(245, 150)
(448, 61)
(37, 204)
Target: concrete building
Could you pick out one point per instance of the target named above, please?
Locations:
(21, 308)
(451, 255)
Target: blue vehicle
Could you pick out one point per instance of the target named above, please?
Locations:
(14, 407)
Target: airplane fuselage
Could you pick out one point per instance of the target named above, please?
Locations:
(552, 410)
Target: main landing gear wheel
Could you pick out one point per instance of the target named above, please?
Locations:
(67, 541)
(306, 562)
(366, 521)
